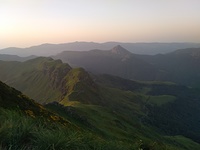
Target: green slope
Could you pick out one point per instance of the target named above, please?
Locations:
(111, 108)
(26, 124)
(37, 78)
(47, 80)
(171, 108)
(11, 99)
(122, 117)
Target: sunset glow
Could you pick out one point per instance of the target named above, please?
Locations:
(29, 22)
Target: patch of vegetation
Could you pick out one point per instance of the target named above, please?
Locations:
(160, 100)
(22, 132)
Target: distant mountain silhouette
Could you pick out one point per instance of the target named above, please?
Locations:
(120, 50)
(6, 57)
(117, 61)
(181, 66)
(137, 48)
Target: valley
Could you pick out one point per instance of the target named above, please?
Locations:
(117, 113)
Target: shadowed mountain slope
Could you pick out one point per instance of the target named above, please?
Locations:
(181, 66)
(117, 61)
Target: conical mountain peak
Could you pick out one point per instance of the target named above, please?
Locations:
(120, 50)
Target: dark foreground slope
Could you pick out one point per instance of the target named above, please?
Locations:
(26, 124)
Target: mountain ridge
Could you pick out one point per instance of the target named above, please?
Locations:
(138, 48)
(180, 66)
(140, 136)
(120, 50)
(46, 77)
(124, 63)
(115, 108)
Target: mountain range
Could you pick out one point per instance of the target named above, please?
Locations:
(137, 48)
(180, 66)
(101, 99)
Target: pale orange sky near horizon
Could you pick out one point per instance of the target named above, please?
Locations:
(31, 22)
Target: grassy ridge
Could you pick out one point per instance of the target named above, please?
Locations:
(39, 78)
(120, 119)
(19, 132)
(28, 125)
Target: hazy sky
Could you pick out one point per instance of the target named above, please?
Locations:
(31, 22)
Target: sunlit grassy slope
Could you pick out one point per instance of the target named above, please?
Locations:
(121, 120)
(28, 125)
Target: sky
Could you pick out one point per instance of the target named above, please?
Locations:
(24, 23)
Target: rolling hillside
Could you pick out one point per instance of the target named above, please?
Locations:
(109, 106)
(26, 124)
(94, 126)
(172, 108)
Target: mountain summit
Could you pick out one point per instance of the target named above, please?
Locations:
(120, 50)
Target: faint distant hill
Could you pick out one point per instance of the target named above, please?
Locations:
(137, 48)
(6, 57)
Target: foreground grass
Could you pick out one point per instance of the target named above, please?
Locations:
(19, 132)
